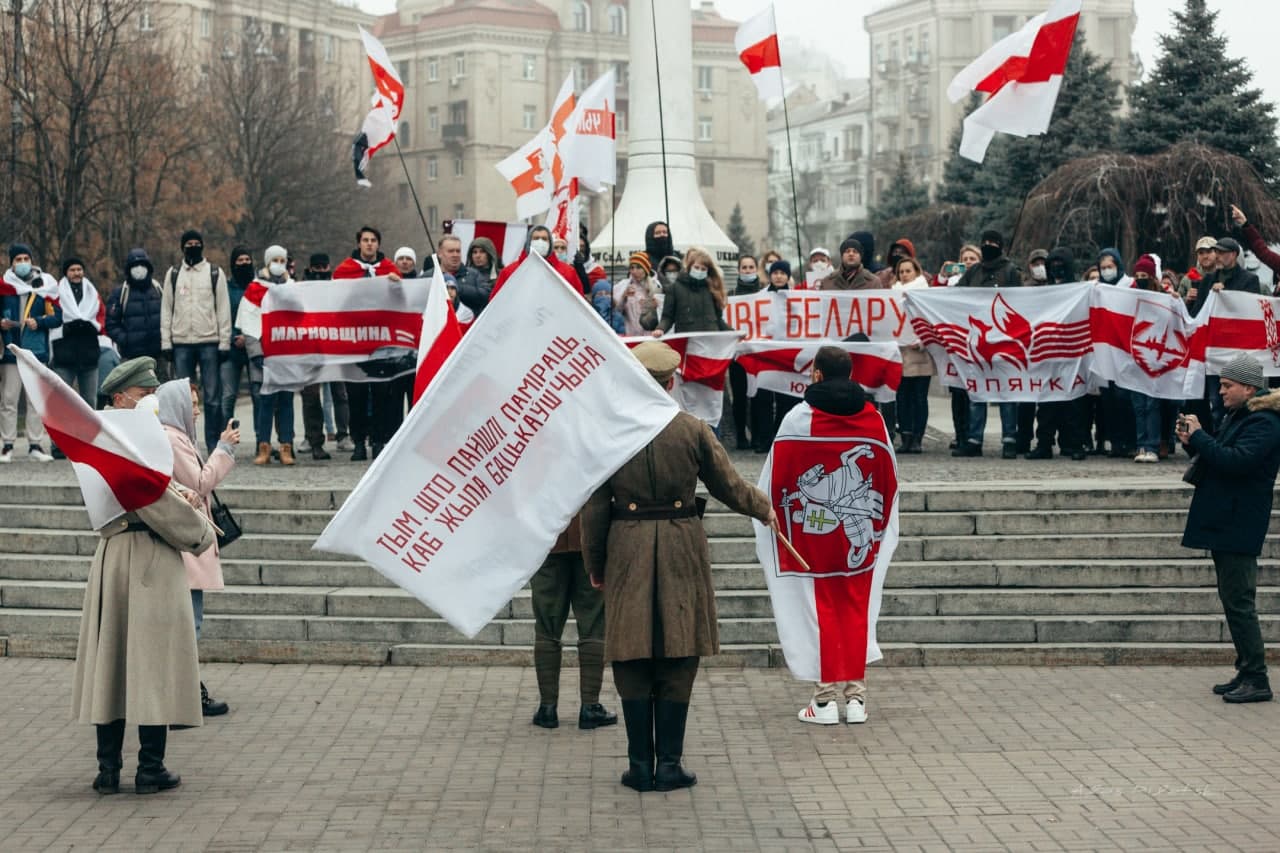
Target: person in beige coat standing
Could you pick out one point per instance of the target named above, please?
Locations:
(136, 658)
(179, 409)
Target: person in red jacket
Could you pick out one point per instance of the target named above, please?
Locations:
(367, 261)
(540, 242)
(1257, 245)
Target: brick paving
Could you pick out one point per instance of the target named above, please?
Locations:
(350, 758)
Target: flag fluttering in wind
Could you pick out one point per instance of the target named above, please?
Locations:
(530, 169)
(379, 126)
(121, 457)
(1021, 76)
(440, 331)
(757, 45)
(507, 237)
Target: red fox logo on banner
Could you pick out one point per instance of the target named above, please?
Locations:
(1156, 343)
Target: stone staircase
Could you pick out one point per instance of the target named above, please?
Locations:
(1069, 572)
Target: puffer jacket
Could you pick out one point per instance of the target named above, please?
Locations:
(689, 306)
(133, 312)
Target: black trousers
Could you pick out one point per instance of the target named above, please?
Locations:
(377, 408)
(768, 408)
(1060, 420)
(738, 390)
(1121, 429)
(1026, 426)
(660, 679)
(1238, 592)
(960, 413)
(913, 405)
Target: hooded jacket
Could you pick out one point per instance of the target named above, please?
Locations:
(475, 284)
(657, 249)
(689, 306)
(568, 273)
(1114, 254)
(839, 396)
(1061, 266)
(889, 275)
(133, 311)
(1001, 272)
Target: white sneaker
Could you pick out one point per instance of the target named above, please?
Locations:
(855, 712)
(346, 445)
(39, 455)
(6, 455)
(1146, 456)
(303, 446)
(822, 715)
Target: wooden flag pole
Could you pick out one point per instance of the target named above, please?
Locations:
(792, 550)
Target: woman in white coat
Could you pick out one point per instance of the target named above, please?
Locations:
(179, 406)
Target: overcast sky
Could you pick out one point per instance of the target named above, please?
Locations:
(835, 28)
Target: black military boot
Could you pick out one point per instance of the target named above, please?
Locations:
(152, 775)
(110, 760)
(359, 454)
(210, 707)
(1227, 687)
(546, 717)
(669, 722)
(594, 716)
(637, 715)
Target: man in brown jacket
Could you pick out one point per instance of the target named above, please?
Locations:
(852, 274)
(644, 544)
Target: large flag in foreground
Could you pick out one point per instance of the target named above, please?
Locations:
(501, 452)
(784, 366)
(1021, 75)
(833, 482)
(1147, 342)
(121, 457)
(756, 42)
(379, 126)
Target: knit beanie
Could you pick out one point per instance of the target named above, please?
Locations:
(782, 266)
(641, 259)
(19, 249)
(1246, 370)
(191, 234)
(69, 262)
(851, 243)
(1145, 264)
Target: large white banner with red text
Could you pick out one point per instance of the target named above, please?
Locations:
(784, 366)
(822, 315)
(538, 405)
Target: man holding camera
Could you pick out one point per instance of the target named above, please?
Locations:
(1234, 474)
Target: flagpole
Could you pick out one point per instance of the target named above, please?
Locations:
(662, 125)
(795, 207)
(613, 232)
(417, 204)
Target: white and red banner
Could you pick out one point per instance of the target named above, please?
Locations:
(1019, 344)
(380, 124)
(785, 366)
(756, 42)
(465, 502)
(507, 237)
(1241, 322)
(1147, 342)
(1021, 75)
(704, 363)
(121, 457)
(833, 482)
(441, 332)
(816, 315)
(89, 308)
(349, 330)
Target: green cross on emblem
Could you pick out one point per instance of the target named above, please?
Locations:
(818, 519)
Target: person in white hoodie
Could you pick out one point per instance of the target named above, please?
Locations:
(917, 368)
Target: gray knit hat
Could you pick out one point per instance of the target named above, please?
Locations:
(1246, 370)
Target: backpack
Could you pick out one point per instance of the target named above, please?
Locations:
(124, 293)
(171, 278)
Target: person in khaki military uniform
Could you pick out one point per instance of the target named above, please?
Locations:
(136, 658)
(643, 543)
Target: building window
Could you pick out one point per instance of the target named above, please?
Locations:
(707, 173)
(857, 193)
(402, 69)
(403, 133)
(1003, 25)
(145, 22)
(704, 78)
(433, 168)
(404, 195)
(433, 68)
(530, 67)
(433, 216)
(459, 211)
(206, 23)
(459, 167)
(620, 120)
(327, 46)
(458, 112)
(622, 73)
(704, 128)
(924, 47)
(459, 65)
(581, 16)
(530, 118)
(433, 119)
(617, 20)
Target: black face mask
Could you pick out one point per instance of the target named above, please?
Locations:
(990, 253)
(242, 273)
(193, 254)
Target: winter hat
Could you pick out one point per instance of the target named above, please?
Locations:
(1037, 255)
(138, 257)
(852, 243)
(641, 259)
(780, 266)
(1226, 244)
(273, 252)
(237, 251)
(1246, 370)
(19, 249)
(1145, 264)
(69, 262)
(319, 259)
(993, 236)
(191, 234)
(818, 250)
(406, 252)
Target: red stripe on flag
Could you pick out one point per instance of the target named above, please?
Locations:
(133, 485)
(1048, 57)
(338, 332)
(762, 54)
(444, 344)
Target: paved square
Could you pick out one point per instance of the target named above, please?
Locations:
(400, 758)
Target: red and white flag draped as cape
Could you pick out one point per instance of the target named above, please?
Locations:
(784, 366)
(833, 482)
(121, 457)
(704, 362)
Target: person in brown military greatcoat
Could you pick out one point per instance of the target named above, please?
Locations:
(644, 544)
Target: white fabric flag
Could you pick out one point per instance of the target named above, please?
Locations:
(589, 148)
(508, 237)
(756, 42)
(1241, 322)
(501, 452)
(784, 367)
(1147, 342)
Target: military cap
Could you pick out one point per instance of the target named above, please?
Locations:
(659, 359)
(134, 373)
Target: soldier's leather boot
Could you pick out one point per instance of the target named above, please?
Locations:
(110, 759)
(637, 715)
(152, 775)
(669, 722)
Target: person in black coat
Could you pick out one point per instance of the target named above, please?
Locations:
(133, 310)
(1234, 474)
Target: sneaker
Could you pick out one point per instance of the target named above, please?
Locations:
(37, 453)
(1146, 456)
(302, 446)
(345, 444)
(855, 712)
(1008, 451)
(6, 454)
(822, 715)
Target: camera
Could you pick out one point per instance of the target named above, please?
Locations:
(1182, 424)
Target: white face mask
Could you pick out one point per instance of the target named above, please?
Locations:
(138, 273)
(539, 247)
(697, 274)
(822, 268)
(276, 268)
(748, 277)
(1109, 275)
(1038, 272)
(671, 277)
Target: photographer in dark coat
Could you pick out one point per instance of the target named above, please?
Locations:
(1235, 476)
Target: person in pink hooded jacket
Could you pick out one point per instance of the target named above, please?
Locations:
(179, 406)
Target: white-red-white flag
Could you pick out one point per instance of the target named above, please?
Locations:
(379, 126)
(1147, 342)
(589, 148)
(785, 366)
(1021, 75)
(121, 457)
(507, 237)
(757, 45)
(704, 363)
(1241, 322)
(833, 482)
(534, 170)
(440, 332)
(43, 285)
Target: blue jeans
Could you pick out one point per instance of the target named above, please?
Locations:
(186, 359)
(1008, 422)
(197, 608)
(913, 405)
(1146, 414)
(277, 407)
(231, 372)
(84, 381)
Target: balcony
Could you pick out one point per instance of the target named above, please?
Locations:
(918, 107)
(454, 134)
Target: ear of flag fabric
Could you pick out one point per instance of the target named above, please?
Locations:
(440, 332)
(379, 126)
(1021, 76)
(757, 45)
(121, 457)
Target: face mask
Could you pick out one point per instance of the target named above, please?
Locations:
(22, 269)
(138, 273)
(822, 268)
(242, 273)
(671, 277)
(748, 277)
(1038, 272)
(1109, 275)
(539, 247)
(193, 255)
(276, 269)
(697, 274)
(990, 253)
(563, 256)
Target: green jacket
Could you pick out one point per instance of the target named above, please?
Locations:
(688, 306)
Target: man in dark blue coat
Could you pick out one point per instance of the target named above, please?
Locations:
(1235, 476)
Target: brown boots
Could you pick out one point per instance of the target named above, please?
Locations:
(286, 455)
(264, 454)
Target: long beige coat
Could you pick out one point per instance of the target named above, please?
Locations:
(137, 654)
(634, 557)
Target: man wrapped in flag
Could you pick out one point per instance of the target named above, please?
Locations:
(832, 479)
